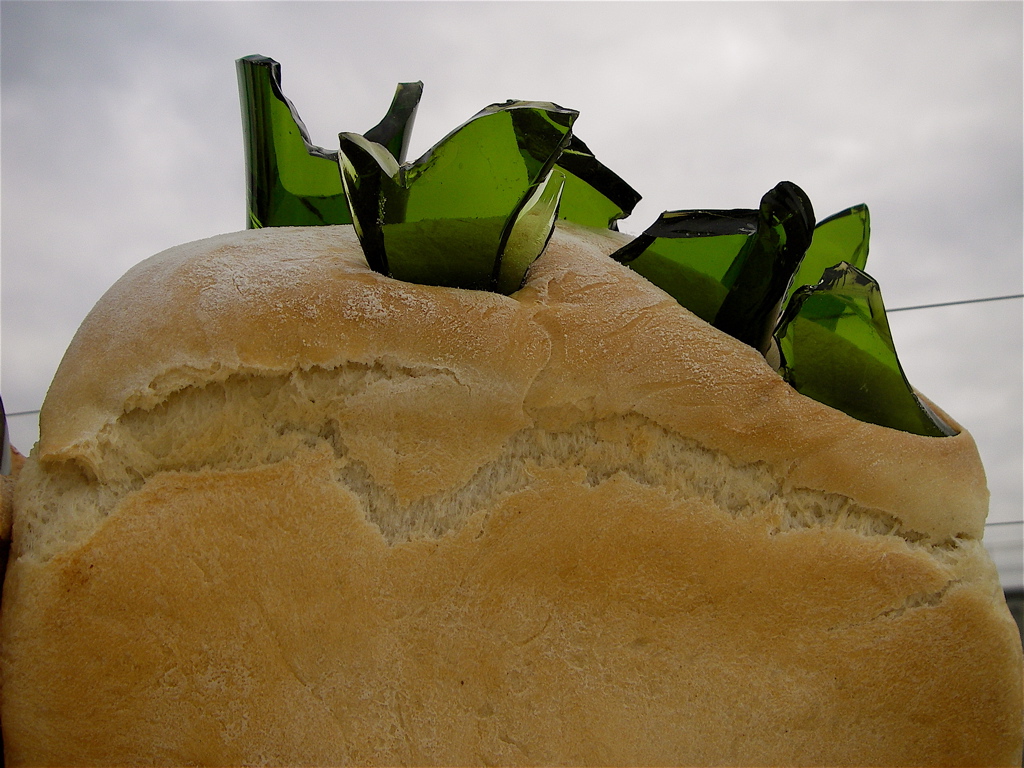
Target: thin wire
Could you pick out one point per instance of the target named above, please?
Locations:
(955, 303)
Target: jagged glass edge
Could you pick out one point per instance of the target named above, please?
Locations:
(858, 259)
(578, 160)
(393, 131)
(671, 271)
(257, 156)
(831, 277)
(686, 224)
(546, 197)
(575, 157)
(490, 109)
(274, 69)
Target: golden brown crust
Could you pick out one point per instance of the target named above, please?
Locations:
(607, 636)
(585, 335)
(305, 514)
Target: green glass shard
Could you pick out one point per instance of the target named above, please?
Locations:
(763, 272)
(843, 236)
(729, 267)
(529, 233)
(594, 195)
(836, 348)
(395, 130)
(474, 211)
(369, 175)
(292, 182)
(688, 254)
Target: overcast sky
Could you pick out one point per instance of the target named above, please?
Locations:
(121, 136)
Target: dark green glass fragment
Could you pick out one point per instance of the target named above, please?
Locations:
(843, 236)
(528, 235)
(594, 195)
(729, 267)
(836, 348)
(474, 211)
(760, 276)
(688, 254)
(292, 182)
(395, 130)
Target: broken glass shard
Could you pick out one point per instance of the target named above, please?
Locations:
(529, 234)
(688, 254)
(760, 276)
(292, 182)
(395, 130)
(474, 211)
(594, 195)
(836, 348)
(729, 267)
(841, 237)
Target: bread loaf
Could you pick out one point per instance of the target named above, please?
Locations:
(285, 510)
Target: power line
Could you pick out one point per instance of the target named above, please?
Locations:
(955, 303)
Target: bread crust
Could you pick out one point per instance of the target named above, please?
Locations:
(285, 509)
